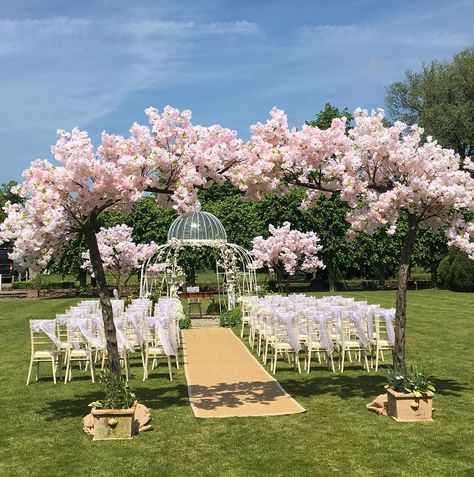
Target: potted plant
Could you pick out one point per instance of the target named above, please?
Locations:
(410, 396)
(114, 416)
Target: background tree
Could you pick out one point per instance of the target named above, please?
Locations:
(121, 256)
(285, 251)
(439, 98)
(6, 195)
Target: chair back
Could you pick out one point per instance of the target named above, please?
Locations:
(43, 335)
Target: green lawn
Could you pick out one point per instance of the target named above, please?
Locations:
(42, 436)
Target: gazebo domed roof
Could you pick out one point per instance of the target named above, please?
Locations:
(201, 226)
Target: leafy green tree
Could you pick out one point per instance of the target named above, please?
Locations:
(149, 222)
(6, 195)
(430, 248)
(324, 118)
(440, 98)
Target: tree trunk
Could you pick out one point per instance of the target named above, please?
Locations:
(107, 315)
(381, 275)
(82, 276)
(331, 278)
(192, 275)
(401, 305)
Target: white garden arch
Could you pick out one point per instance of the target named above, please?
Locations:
(234, 273)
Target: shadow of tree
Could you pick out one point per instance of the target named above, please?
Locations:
(233, 395)
(174, 395)
(363, 385)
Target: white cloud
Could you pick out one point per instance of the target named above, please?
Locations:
(59, 72)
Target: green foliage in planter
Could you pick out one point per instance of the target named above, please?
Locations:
(230, 318)
(456, 271)
(185, 323)
(412, 381)
(118, 394)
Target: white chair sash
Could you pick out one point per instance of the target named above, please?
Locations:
(48, 327)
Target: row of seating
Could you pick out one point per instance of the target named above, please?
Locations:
(322, 328)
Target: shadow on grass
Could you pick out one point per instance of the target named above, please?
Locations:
(174, 395)
(363, 386)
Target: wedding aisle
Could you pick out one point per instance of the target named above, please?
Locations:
(224, 379)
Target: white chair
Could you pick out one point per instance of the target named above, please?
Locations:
(314, 342)
(350, 340)
(381, 341)
(281, 343)
(44, 347)
(153, 347)
(79, 350)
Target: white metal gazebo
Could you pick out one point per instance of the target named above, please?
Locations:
(234, 273)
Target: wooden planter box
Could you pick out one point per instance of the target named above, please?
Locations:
(405, 407)
(113, 424)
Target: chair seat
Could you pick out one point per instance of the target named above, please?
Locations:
(282, 346)
(46, 354)
(353, 344)
(381, 343)
(314, 346)
(79, 353)
(155, 350)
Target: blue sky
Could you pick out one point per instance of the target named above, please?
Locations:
(97, 64)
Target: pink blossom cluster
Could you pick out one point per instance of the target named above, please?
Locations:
(157, 269)
(172, 157)
(292, 249)
(121, 256)
(381, 171)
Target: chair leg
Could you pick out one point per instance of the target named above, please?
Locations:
(91, 361)
(29, 371)
(169, 368)
(366, 362)
(377, 359)
(37, 371)
(242, 329)
(343, 354)
(60, 365)
(308, 365)
(297, 362)
(332, 363)
(145, 367)
(126, 366)
(68, 365)
(53, 365)
(177, 361)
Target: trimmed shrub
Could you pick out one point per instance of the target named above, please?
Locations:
(185, 323)
(230, 318)
(456, 271)
(41, 285)
(213, 308)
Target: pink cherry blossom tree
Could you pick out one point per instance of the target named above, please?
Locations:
(285, 251)
(381, 171)
(172, 158)
(121, 256)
